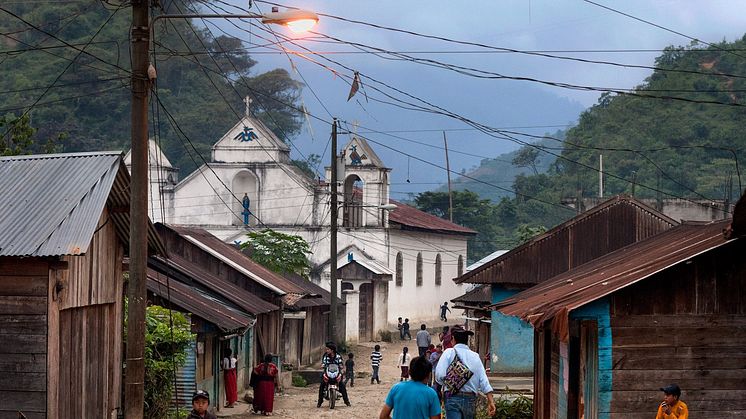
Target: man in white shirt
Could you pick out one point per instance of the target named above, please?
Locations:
(462, 404)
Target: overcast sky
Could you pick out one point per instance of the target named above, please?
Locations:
(537, 25)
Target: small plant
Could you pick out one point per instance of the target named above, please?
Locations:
(344, 347)
(510, 405)
(299, 381)
(385, 335)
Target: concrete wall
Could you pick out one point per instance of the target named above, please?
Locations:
(679, 209)
(511, 340)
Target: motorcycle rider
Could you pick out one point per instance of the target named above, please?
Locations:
(332, 357)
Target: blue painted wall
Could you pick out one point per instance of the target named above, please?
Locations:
(511, 340)
(599, 311)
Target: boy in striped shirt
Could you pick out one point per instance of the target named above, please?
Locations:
(375, 362)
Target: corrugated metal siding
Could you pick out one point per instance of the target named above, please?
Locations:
(52, 203)
(186, 380)
(617, 223)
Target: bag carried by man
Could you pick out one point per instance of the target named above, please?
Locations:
(457, 375)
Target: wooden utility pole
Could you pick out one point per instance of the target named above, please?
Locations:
(333, 332)
(134, 390)
(600, 175)
(448, 170)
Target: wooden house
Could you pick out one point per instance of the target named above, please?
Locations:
(63, 234)
(669, 309)
(618, 222)
(288, 315)
(475, 304)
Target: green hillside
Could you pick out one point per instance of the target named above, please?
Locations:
(677, 135)
(78, 83)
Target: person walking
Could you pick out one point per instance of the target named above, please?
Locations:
(467, 379)
(400, 326)
(423, 340)
(671, 407)
(443, 310)
(264, 380)
(230, 377)
(375, 363)
(405, 330)
(434, 357)
(413, 399)
(403, 363)
(350, 370)
(445, 338)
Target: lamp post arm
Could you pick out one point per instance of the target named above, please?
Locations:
(201, 16)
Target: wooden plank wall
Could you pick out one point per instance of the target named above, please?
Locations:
(23, 333)
(315, 334)
(292, 340)
(87, 349)
(687, 325)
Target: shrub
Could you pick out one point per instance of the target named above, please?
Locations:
(385, 335)
(508, 406)
(299, 381)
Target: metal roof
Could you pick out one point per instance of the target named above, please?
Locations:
(316, 296)
(184, 270)
(234, 258)
(199, 302)
(481, 294)
(612, 272)
(52, 203)
(410, 218)
(492, 256)
(619, 221)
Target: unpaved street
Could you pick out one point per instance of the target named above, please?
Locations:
(366, 398)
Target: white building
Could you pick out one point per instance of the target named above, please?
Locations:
(392, 263)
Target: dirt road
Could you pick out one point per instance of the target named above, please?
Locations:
(367, 399)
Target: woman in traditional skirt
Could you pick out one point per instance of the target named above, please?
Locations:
(264, 379)
(230, 377)
(403, 363)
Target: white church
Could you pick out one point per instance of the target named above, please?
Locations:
(391, 263)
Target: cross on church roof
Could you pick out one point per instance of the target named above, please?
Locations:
(247, 100)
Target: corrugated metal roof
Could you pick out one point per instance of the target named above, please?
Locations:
(315, 295)
(492, 256)
(481, 294)
(234, 257)
(198, 302)
(614, 271)
(620, 221)
(52, 203)
(409, 217)
(186, 271)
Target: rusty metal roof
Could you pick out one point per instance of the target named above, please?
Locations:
(198, 302)
(612, 272)
(410, 218)
(618, 222)
(52, 203)
(315, 295)
(481, 294)
(233, 257)
(184, 270)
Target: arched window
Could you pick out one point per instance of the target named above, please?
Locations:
(438, 270)
(399, 269)
(352, 212)
(460, 265)
(244, 188)
(419, 269)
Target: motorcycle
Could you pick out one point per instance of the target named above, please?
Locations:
(332, 377)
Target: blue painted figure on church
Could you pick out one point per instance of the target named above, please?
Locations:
(355, 158)
(246, 211)
(246, 135)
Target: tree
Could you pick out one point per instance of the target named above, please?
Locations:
(526, 232)
(469, 211)
(279, 252)
(19, 137)
(527, 157)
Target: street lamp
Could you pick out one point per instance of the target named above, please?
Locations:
(136, 291)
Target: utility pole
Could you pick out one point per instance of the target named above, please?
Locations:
(333, 245)
(134, 389)
(600, 175)
(448, 170)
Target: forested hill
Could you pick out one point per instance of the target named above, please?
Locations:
(679, 134)
(74, 69)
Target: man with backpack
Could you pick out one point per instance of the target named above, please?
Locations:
(462, 377)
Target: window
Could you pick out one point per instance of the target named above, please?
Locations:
(399, 269)
(352, 210)
(419, 269)
(438, 270)
(460, 265)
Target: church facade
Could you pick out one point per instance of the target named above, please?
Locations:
(391, 262)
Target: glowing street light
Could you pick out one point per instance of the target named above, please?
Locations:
(298, 21)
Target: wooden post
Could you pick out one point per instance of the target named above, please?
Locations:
(333, 332)
(134, 394)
